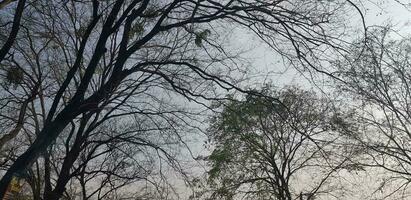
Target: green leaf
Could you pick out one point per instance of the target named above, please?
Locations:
(137, 29)
(201, 36)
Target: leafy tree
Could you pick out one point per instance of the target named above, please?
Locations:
(266, 150)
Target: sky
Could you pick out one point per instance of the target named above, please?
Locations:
(267, 67)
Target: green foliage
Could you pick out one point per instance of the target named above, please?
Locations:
(258, 134)
(218, 157)
(201, 36)
(14, 75)
(136, 29)
(232, 132)
(151, 12)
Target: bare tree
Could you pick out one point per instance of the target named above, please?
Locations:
(377, 78)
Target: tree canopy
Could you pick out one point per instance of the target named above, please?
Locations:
(102, 99)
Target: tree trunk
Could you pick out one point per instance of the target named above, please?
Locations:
(42, 142)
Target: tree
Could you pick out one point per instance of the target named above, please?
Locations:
(376, 78)
(15, 26)
(264, 150)
(92, 60)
